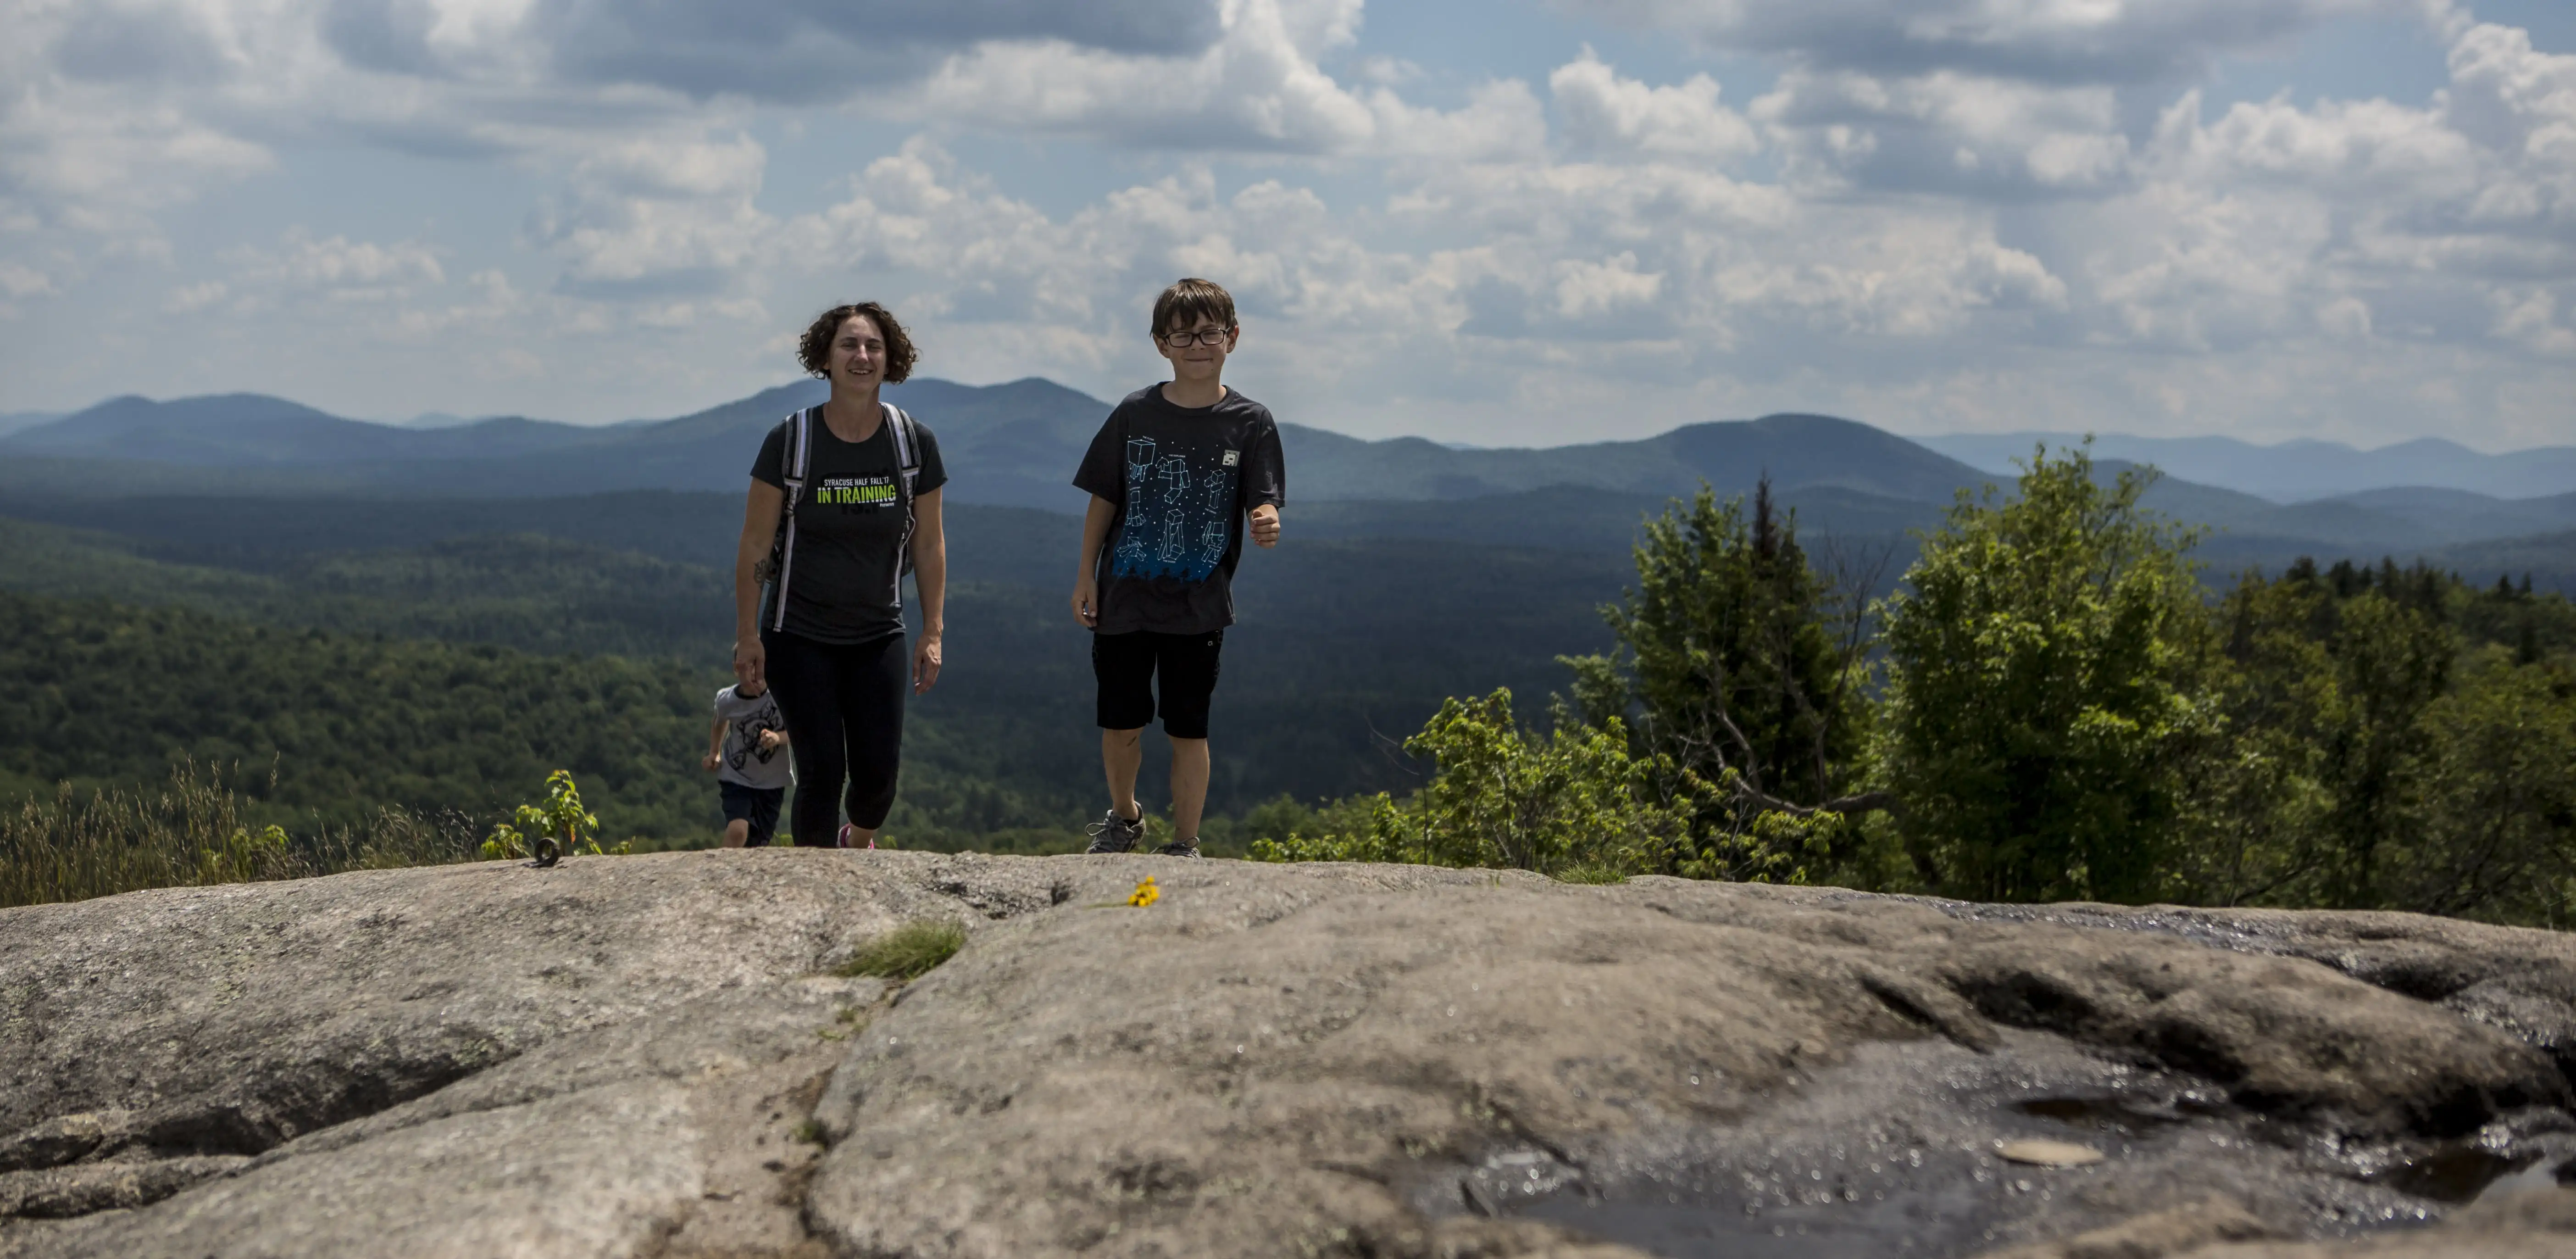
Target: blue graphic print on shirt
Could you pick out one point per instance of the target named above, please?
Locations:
(1180, 480)
(1180, 513)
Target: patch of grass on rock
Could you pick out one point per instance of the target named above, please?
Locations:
(907, 952)
(1595, 874)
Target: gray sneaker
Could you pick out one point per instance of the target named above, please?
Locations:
(1113, 833)
(1178, 848)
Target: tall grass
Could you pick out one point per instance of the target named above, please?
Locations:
(908, 952)
(195, 831)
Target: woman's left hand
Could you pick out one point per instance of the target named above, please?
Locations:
(925, 662)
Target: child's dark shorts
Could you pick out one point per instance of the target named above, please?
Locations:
(755, 805)
(1126, 665)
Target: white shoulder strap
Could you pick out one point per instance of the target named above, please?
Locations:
(907, 451)
(907, 445)
(800, 446)
(794, 462)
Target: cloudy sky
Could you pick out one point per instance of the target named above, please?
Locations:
(1495, 221)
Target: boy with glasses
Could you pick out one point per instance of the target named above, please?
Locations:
(1174, 475)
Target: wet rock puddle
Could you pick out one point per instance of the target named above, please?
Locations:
(1907, 1191)
(1902, 1201)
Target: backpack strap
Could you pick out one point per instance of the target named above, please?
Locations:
(797, 460)
(907, 444)
(907, 460)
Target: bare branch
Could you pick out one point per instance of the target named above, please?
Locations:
(1847, 806)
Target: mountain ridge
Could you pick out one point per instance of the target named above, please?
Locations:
(2288, 473)
(1022, 436)
(1014, 444)
(2300, 470)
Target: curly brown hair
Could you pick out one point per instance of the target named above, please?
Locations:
(814, 349)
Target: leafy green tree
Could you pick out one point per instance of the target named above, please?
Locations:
(2049, 685)
(2259, 807)
(2494, 796)
(2391, 661)
(2386, 750)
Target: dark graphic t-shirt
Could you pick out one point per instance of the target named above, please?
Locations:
(1183, 479)
(845, 574)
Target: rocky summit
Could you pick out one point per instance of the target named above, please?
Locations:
(654, 1056)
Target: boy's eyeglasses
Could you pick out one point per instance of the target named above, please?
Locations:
(1183, 340)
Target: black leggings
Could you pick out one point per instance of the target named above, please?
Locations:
(844, 711)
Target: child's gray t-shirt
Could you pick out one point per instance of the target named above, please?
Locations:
(744, 760)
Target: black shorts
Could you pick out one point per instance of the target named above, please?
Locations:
(1126, 665)
(756, 805)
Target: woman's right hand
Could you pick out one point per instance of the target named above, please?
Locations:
(1086, 602)
(751, 663)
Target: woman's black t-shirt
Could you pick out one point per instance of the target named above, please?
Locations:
(845, 578)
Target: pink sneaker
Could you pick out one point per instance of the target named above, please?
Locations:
(846, 829)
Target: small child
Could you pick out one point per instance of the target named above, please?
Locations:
(1176, 474)
(750, 773)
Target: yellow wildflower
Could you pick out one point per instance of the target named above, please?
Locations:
(1146, 893)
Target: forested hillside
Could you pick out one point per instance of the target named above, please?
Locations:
(93, 693)
(1351, 636)
(1344, 646)
(522, 590)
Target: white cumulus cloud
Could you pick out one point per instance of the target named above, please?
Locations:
(1607, 113)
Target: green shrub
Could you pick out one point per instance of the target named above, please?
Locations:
(907, 952)
(1502, 796)
(561, 818)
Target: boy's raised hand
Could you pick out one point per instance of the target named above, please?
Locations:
(1265, 525)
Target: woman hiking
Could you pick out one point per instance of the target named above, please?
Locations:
(844, 500)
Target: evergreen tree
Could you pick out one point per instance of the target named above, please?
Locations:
(1737, 659)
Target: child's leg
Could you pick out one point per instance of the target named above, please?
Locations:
(1189, 787)
(1123, 665)
(763, 819)
(1122, 753)
(1187, 665)
(746, 809)
(873, 687)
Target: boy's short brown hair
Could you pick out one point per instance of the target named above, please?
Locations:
(814, 349)
(1191, 300)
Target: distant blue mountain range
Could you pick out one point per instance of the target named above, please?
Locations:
(1013, 444)
(1016, 444)
(2295, 471)
(15, 421)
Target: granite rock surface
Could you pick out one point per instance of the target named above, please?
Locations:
(651, 1056)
